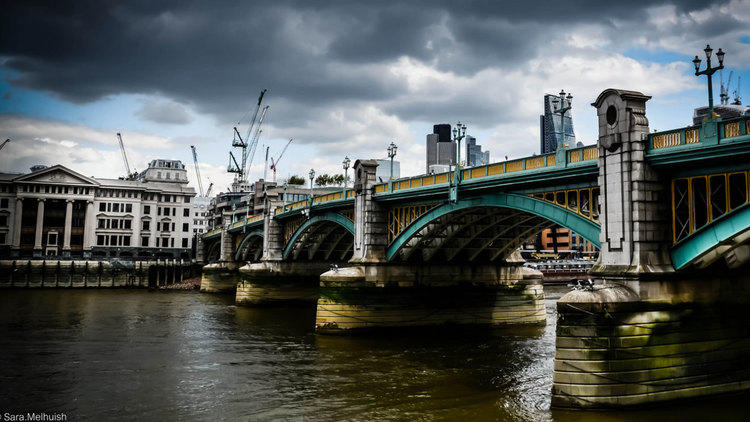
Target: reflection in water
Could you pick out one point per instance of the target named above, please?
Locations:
(116, 354)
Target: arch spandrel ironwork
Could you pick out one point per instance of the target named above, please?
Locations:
(255, 234)
(317, 220)
(545, 211)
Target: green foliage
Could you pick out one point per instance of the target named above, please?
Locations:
(328, 180)
(296, 180)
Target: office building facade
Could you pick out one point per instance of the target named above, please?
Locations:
(550, 127)
(440, 149)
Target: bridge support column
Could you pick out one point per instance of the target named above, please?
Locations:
(371, 296)
(222, 276)
(645, 334)
(274, 281)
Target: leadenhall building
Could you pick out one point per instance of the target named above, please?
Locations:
(56, 212)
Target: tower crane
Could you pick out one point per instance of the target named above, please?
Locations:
(239, 142)
(4, 143)
(208, 191)
(725, 88)
(130, 175)
(737, 97)
(254, 142)
(197, 170)
(274, 163)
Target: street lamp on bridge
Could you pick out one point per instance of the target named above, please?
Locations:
(561, 106)
(311, 174)
(709, 71)
(391, 153)
(346, 171)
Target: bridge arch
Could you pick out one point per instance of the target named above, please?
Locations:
(493, 224)
(213, 250)
(715, 240)
(251, 247)
(328, 236)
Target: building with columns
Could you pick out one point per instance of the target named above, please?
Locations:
(57, 212)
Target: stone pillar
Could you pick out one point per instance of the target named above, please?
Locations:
(89, 228)
(68, 227)
(644, 333)
(39, 228)
(16, 239)
(200, 254)
(225, 253)
(370, 223)
(273, 236)
(633, 216)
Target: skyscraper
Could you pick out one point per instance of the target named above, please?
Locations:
(474, 154)
(441, 150)
(550, 135)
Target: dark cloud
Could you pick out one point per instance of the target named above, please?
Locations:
(311, 55)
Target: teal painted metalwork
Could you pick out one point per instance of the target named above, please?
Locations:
(245, 240)
(329, 216)
(711, 236)
(584, 227)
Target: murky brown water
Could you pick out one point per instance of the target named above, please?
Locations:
(133, 354)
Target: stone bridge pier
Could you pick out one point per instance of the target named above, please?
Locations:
(221, 276)
(274, 281)
(372, 292)
(645, 333)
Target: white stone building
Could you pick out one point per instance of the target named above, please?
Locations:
(55, 211)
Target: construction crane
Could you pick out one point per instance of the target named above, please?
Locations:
(274, 163)
(737, 97)
(239, 142)
(197, 170)
(129, 175)
(725, 87)
(4, 143)
(254, 142)
(208, 191)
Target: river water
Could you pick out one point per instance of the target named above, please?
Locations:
(135, 354)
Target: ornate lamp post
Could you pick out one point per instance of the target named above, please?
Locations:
(459, 133)
(346, 172)
(709, 71)
(311, 174)
(286, 185)
(391, 153)
(561, 106)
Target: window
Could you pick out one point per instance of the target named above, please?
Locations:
(2, 238)
(127, 224)
(147, 209)
(172, 226)
(168, 176)
(4, 203)
(101, 223)
(3, 220)
(116, 207)
(128, 207)
(100, 240)
(144, 241)
(158, 211)
(186, 212)
(102, 207)
(174, 212)
(158, 175)
(171, 243)
(164, 242)
(185, 227)
(126, 241)
(184, 242)
(146, 225)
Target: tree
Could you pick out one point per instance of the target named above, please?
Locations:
(323, 180)
(337, 179)
(296, 180)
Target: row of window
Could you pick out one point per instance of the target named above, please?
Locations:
(115, 207)
(114, 223)
(146, 196)
(53, 189)
(164, 242)
(120, 240)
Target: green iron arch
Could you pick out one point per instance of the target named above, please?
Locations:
(584, 227)
(247, 237)
(721, 232)
(329, 216)
(212, 251)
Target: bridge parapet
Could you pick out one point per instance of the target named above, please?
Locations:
(730, 130)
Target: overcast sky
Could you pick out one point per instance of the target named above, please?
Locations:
(343, 77)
